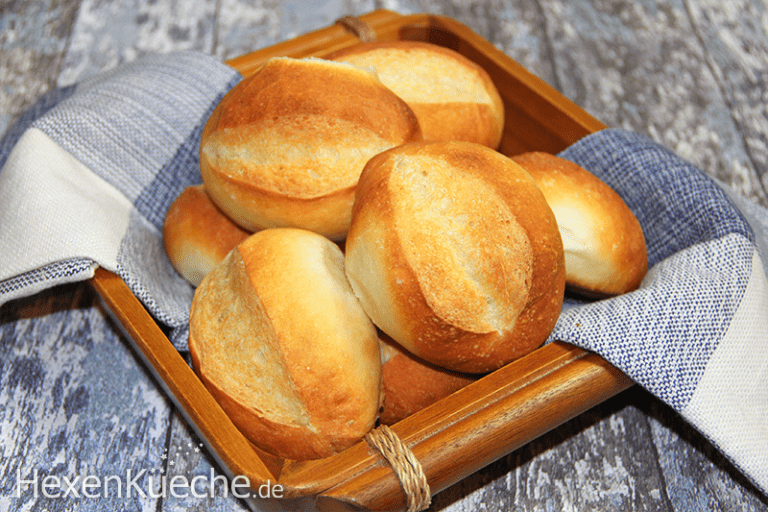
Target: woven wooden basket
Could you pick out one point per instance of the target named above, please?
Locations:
(459, 434)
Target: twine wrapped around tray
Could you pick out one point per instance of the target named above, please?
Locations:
(405, 465)
(361, 29)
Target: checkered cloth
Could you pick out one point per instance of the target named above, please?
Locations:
(89, 173)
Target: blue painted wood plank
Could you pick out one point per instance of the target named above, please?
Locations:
(33, 41)
(106, 34)
(640, 66)
(75, 404)
(243, 26)
(735, 36)
(73, 399)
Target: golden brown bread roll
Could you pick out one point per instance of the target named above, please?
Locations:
(410, 384)
(453, 98)
(286, 145)
(455, 254)
(197, 235)
(605, 252)
(281, 342)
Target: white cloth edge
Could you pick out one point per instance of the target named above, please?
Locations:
(53, 208)
(729, 405)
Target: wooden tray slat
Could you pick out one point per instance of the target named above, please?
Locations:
(486, 422)
(460, 434)
(385, 23)
(476, 425)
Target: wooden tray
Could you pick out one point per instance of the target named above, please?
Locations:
(462, 433)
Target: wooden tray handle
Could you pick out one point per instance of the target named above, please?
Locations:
(406, 466)
(483, 422)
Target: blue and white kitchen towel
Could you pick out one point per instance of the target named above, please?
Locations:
(89, 172)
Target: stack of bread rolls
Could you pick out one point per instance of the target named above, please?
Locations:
(284, 148)
(448, 259)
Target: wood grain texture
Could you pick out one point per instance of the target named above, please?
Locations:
(243, 27)
(691, 74)
(640, 66)
(33, 41)
(481, 422)
(188, 459)
(597, 461)
(106, 34)
(734, 36)
(74, 402)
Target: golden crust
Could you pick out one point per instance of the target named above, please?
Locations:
(283, 344)
(286, 146)
(410, 384)
(605, 252)
(453, 98)
(197, 235)
(455, 254)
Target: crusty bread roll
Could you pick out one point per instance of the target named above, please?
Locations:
(281, 342)
(605, 252)
(453, 98)
(197, 235)
(286, 145)
(410, 384)
(455, 254)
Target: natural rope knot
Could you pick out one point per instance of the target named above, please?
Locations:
(360, 28)
(405, 465)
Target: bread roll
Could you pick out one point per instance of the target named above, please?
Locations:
(286, 145)
(455, 254)
(453, 98)
(197, 235)
(410, 384)
(281, 342)
(605, 252)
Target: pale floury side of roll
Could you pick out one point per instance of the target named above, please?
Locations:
(285, 147)
(605, 252)
(455, 254)
(280, 340)
(453, 98)
(197, 235)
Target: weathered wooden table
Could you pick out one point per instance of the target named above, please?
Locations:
(74, 399)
